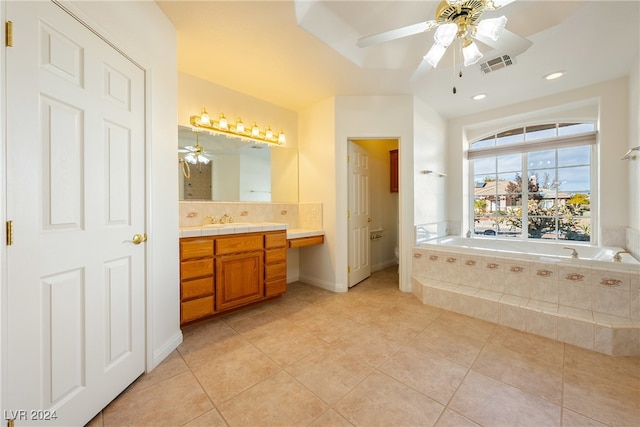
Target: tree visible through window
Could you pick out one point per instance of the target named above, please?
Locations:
(556, 160)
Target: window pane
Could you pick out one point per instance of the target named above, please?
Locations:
(542, 227)
(510, 137)
(557, 183)
(541, 159)
(510, 162)
(580, 231)
(540, 132)
(487, 142)
(579, 205)
(574, 156)
(542, 180)
(575, 128)
(484, 165)
(573, 180)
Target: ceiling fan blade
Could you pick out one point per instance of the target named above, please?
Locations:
(398, 33)
(422, 69)
(509, 43)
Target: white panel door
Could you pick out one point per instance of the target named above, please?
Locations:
(76, 196)
(359, 217)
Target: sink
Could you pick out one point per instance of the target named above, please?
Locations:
(228, 225)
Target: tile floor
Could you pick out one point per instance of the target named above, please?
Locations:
(377, 357)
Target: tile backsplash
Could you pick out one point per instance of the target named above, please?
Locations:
(295, 215)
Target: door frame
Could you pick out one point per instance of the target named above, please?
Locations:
(72, 10)
(405, 216)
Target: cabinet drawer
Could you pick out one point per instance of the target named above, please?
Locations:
(229, 245)
(275, 287)
(275, 255)
(196, 309)
(275, 271)
(197, 248)
(196, 288)
(276, 240)
(306, 241)
(198, 268)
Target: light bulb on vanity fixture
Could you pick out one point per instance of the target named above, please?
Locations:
(237, 130)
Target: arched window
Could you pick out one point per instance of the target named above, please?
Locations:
(553, 200)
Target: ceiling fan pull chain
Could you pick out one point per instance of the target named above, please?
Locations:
(454, 69)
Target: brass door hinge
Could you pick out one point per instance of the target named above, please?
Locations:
(348, 269)
(348, 158)
(9, 231)
(9, 34)
(348, 214)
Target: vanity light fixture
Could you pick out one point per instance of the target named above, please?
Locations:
(222, 126)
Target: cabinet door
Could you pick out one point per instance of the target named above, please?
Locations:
(393, 171)
(239, 279)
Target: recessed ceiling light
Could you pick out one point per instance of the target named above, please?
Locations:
(554, 75)
(479, 96)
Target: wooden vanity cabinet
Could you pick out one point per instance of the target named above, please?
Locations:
(196, 279)
(239, 268)
(219, 274)
(275, 264)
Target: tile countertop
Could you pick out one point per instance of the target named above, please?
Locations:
(246, 227)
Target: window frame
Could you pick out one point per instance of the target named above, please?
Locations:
(524, 149)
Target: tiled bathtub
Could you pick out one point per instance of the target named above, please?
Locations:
(588, 303)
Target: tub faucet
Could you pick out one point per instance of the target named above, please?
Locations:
(617, 257)
(574, 253)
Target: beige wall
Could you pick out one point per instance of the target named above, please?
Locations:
(633, 192)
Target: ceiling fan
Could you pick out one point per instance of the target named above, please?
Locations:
(196, 154)
(458, 20)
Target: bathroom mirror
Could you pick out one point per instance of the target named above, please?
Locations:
(238, 170)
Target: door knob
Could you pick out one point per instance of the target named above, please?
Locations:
(139, 238)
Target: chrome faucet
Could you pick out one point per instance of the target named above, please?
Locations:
(468, 234)
(617, 257)
(574, 253)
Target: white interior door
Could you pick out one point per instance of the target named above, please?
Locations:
(359, 216)
(76, 196)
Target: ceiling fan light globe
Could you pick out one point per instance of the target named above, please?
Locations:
(445, 34)
(202, 159)
(492, 28)
(435, 54)
(190, 158)
(471, 54)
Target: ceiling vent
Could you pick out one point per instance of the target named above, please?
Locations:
(496, 63)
